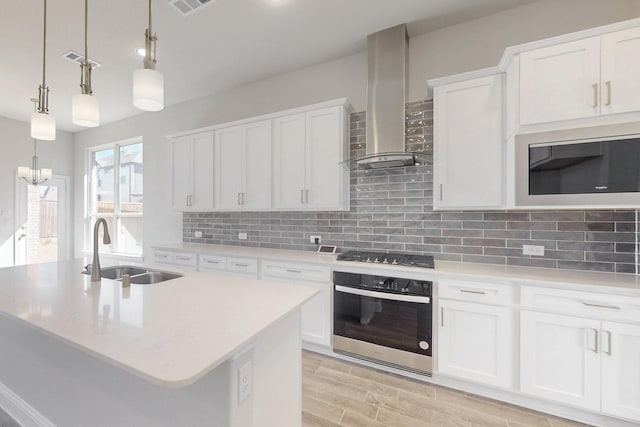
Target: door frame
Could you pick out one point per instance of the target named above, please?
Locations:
(64, 219)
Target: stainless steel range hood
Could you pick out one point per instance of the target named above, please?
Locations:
(387, 53)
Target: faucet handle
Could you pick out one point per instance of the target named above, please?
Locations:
(87, 268)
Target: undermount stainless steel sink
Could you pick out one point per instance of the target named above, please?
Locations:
(137, 275)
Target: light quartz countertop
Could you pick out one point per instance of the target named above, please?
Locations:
(170, 333)
(624, 284)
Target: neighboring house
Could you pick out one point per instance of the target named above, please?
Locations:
(130, 177)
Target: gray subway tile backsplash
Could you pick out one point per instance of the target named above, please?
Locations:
(391, 210)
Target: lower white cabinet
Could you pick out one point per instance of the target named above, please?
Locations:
(316, 313)
(475, 342)
(586, 363)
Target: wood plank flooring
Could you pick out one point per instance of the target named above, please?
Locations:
(337, 393)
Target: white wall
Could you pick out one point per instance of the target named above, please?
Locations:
(16, 149)
(471, 45)
(341, 78)
(479, 43)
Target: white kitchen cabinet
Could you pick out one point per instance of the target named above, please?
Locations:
(316, 313)
(243, 167)
(192, 172)
(475, 342)
(468, 144)
(559, 359)
(308, 149)
(621, 370)
(581, 79)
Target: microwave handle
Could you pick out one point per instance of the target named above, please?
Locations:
(382, 295)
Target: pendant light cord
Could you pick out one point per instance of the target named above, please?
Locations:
(44, 46)
(150, 32)
(86, 44)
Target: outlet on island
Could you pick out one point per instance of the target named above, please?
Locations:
(315, 239)
(242, 236)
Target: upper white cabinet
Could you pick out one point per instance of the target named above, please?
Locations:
(242, 172)
(282, 161)
(581, 79)
(192, 172)
(468, 144)
(308, 149)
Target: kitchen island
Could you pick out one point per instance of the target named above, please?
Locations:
(77, 353)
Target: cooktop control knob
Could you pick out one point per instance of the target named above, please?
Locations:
(367, 260)
(377, 261)
(385, 261)
(394, 262)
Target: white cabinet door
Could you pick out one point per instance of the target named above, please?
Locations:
(289, 161)
(192, 172)
(257, 166)
(475, 342)
(228, 168)
(324, 174)
(560, 82)
(468, 148)
(316, 315)
(559, 358)
(181, 172)
(620, 67)
(202, 172)
(620, 353)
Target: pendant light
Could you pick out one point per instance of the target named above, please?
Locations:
(148, 83)
(43, 125)
(34, 175)
(84, 106)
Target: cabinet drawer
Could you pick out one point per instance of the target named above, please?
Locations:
(302, 272)
(242, 265)
(212, 262)
(164, 257)
(485, 292)
(579, 303)
(189, 260)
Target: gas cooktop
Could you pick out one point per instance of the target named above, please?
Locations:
(407, 260)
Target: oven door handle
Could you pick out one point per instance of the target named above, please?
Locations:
(382, 295)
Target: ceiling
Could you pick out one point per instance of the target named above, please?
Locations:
(222, 45)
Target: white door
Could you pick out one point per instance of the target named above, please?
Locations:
(181, 172)
(620, 70)
(323, 169)
(560, 82)
(560, 359)
(474, 342)
(469, 144)
(202, 185)
(42, 227)
(228, 168)
(257, 166)
(289, 161)
(316, 316)
(621, 370)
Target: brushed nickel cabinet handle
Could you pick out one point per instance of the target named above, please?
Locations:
(243, 202)
(608, 351)
(466, 291)
(442, 316)
(183, 258)
(302, 196)
(440, 192)
(239, 202)
(186, 200)
(595, 341)
(595, 94)
(608, 84)
(306, 195)
(607, 307)
(294, 271)
(241, 265)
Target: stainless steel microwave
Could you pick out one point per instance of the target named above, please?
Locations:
(579, 167)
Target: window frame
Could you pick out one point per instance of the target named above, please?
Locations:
(117, 215)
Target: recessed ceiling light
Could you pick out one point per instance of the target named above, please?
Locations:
(140, 51)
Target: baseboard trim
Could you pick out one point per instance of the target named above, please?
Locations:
(20, 410)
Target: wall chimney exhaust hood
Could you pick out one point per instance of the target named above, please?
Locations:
(387, 53)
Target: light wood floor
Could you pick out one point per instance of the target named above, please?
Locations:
(337, 393)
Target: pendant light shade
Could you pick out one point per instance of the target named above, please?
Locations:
(148, 84)
(43, 126)
(84, 106)
(148, 89)
(84, 110)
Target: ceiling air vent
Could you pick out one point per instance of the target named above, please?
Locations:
(78, 58)
(187, 7)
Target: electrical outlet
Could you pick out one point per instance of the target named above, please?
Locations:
(242, 236)
(244, 382)
(533, 250)
(198, 233)
(315, 239)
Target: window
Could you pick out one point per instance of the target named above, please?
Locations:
(115, 194)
